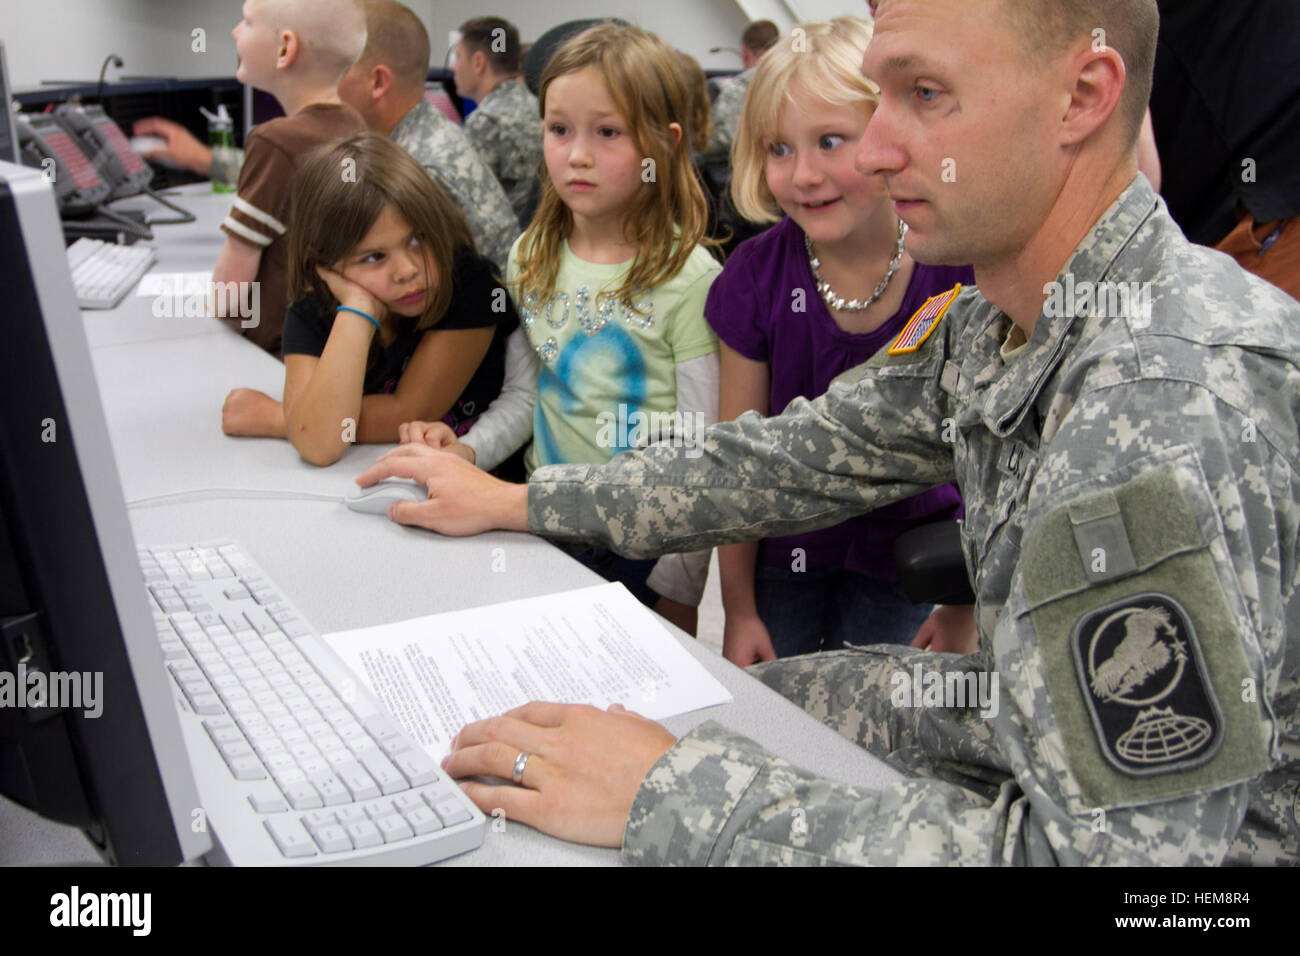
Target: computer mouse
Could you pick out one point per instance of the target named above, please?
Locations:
(376, 499)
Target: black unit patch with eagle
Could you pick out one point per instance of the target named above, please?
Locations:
(1144, 679)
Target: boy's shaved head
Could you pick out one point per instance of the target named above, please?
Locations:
(396, 37)
(1049, 27)
(331, 33)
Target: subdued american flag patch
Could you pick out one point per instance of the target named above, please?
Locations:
(925, 321)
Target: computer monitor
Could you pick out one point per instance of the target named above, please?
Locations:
(73, 612)
(8, 134)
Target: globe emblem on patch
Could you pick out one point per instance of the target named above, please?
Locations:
(1159, 736)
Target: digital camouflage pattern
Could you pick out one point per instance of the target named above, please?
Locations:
(506, 128)
(726, 110)
(1115, 459)
(442, 148)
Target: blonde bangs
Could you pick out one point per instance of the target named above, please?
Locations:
(824, 60)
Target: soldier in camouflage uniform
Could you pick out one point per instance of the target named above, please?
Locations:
(506, 126)
(386, 86)
(759, 37)
(449, 157)
(1130, 464)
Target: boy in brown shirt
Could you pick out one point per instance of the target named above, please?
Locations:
(296, 50)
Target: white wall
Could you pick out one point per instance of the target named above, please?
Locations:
(68, 39)
(690, 25)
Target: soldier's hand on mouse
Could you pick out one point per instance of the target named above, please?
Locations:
(462, 499)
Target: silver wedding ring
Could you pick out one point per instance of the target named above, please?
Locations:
(520, 762)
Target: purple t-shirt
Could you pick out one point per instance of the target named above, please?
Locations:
(750, 307)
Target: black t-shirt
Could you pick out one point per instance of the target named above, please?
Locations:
(307, 328)
(1227, 91)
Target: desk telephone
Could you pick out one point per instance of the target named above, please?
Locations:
(91, 163)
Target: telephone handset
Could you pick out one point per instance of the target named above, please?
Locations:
(121, 166)
(47, 145)
(91, 162)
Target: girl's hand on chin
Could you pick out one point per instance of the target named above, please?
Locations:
(352, 295)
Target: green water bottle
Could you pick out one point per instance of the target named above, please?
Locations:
(221, 136)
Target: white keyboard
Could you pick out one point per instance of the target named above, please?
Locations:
(104, 272)
(296, 762)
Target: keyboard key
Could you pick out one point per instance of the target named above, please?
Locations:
(388, 777)
(381, 727)
(313, 820)
(266, 798)
(359, 783)
(247, 768)
(451, 811)
(332, 839)
(223, 732)
(416, 766)
(364, 834)
(350, 814)
(291, 837)
(331, 789)
(394, 828)
(302, 795)
(423, 820)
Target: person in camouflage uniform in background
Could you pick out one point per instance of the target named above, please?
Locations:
(759, 37)
(1121, 410)
(506, 126)
(386, 86)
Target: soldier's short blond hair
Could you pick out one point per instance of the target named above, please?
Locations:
(1048, 28)
(824, 60)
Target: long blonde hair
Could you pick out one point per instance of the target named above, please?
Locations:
(668, 217)
(825, 60)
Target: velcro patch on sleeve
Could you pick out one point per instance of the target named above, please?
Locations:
(1144, 663)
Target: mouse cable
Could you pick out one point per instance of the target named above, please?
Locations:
(220, 494)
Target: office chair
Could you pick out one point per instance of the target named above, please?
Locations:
(931, 565)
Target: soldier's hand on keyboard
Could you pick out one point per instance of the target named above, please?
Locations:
(252, 413)
(462, 499)
(584, 767)
(435, 435)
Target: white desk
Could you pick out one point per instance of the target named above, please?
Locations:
(163, 382)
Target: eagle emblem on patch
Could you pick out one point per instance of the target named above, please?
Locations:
(1143, 677)
(925, 321)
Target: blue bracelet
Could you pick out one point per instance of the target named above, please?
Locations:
(369, 318)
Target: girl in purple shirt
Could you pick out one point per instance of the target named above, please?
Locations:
(814, 296)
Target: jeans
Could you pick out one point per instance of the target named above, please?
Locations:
(829, 608)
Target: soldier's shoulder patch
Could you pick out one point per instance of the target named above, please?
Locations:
(1142, 674)
(924, 322)
(1138, 626)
